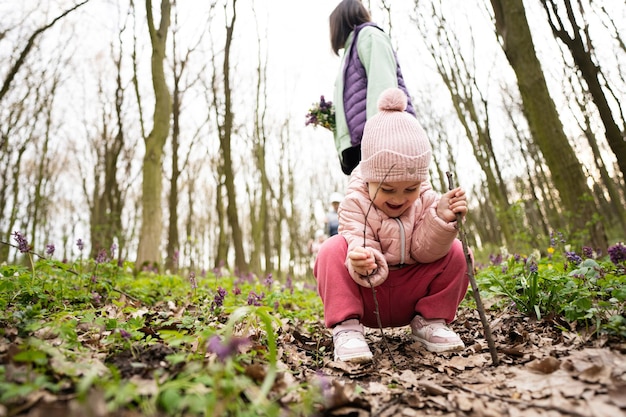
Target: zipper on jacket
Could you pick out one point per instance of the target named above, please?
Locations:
(402, 240)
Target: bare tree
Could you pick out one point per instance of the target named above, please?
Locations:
(471, 107)
(106, 199)
(575, 36)
(148, 251)
(225, 122)
(179, 67)
(260, 217)
(29, 162)
(28, 48)
(614, 208)
(27, 98)
(544, 122)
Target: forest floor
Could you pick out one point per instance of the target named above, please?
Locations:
(544, 369)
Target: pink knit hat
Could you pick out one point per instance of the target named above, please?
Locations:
(394, 145)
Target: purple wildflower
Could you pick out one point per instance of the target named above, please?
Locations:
(102, 256)
(192, 280)
(268, 281)
(325, 104)
(224, 349)
(617, 253)
(112, 250)
(311, 119)
(22, 243)
(96, 297)
(249, 277)
(324, 384)
(255, 299)
(321, 114)
(289, 284)
(495, 259)
(236, 291)
(50, 249)
(124, 334)
(217, 271)
(80, 244)
(218, 300)
(573, 257)
(532, 267)
(504, 268)
(587, 252)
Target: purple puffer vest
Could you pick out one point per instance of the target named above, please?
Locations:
(355, 90)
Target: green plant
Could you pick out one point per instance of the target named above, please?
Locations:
(587, 289)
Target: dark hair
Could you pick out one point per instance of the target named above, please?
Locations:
(347, 15)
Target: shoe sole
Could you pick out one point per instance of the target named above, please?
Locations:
(355, 358)
(440, 347)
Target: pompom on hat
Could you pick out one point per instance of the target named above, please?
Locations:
(394, 147)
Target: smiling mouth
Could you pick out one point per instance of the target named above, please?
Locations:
(394, 206)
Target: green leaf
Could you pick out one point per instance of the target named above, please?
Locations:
(31, 355)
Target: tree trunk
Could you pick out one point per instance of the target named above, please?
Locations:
(543, 120)
(582, 53)
(225, 134)
(105, 223)
(148, 251)
(173, 247)
(458, 77)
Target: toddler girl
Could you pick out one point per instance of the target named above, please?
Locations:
(396, 234)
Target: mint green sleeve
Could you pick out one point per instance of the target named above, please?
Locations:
(376, 55)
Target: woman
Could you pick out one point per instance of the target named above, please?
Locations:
(365, 71)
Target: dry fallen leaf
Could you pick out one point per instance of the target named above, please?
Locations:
(545, 366)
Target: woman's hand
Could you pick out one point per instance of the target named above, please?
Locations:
(451, 203)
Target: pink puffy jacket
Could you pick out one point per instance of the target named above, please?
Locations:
(416, 236)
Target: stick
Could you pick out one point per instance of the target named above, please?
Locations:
(470, 273)
(380, 326)
(369, 280)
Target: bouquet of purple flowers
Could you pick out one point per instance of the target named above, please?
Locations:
(322, 114)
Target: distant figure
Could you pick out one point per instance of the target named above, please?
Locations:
(332, 218)
(316, 243)
(368, 66)
(406, 247)
(314, 246)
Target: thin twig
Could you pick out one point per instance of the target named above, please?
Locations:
(32, 252)
(470, 273)
(369, 281)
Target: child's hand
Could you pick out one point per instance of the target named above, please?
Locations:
(362, 260)
(451, 203)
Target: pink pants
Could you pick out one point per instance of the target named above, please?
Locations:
(432, 290)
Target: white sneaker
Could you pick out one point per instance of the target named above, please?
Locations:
(435, 335)
(350, 344)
